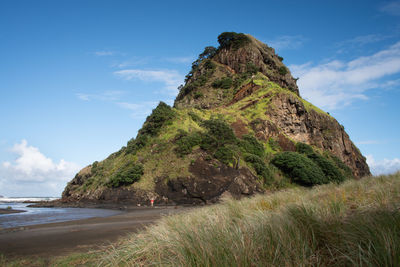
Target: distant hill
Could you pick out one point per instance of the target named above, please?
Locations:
(238, 126)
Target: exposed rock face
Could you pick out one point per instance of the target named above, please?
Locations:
(102, 195)
(209, 181)
(232, 62)
(263, 57)
(79, 179)
(211, 97)
(290, 117)
(244, 91)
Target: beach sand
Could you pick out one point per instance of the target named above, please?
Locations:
(9, 211)
(56, 239)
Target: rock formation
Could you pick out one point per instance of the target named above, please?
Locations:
(238, 109)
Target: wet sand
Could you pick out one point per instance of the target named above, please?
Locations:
(9, 211)
(56, 239)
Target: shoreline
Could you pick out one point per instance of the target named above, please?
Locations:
(61, 238)
(10, 211)
(103, 205)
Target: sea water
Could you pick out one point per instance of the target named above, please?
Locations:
(32, 216)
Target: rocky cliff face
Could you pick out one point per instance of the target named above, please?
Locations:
(263, 57)
(290, 117)
(208, 181)
(237, 63)
(238, 109)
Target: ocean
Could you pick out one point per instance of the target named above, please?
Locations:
(33, 216)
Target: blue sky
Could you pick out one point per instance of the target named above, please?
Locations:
(78, 78)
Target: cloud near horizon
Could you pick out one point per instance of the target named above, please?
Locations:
(385, 166)
(338, 83)
(34, 174)
(171, 78)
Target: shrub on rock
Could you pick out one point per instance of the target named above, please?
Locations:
(299, 168)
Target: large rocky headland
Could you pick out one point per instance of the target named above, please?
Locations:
(238, 127)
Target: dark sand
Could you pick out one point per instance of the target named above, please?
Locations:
(8, 211)
(56, 239)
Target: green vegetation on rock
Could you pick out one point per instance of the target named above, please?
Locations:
(273, 144)
(219, 141)
(209, 52)
(251, 68)
(219, 133)
(260, 167)
(185, 142)
(283, 70)
(327, 165)
(307, 167)
(331, 172)
(127, 175)
(232, 40)
(201, 78)
(299, 168)
(251, 145)
(304, 148)
(224, 83)
(160, 116)
(227, 154)
(345, 170)
(198, 95)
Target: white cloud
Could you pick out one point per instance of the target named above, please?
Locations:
(139, 110)
(171, 78)
(112, 95)
(6, 164)
(137, 106)
(386, 166)
(104, 53)
(32, 170)
(133, 61)
(360, 41)
(391, 84)
(123, 64)
(287, 42)
(182, 60)
(130, 106)
(84, 97)
(338, 83)
(391, 8)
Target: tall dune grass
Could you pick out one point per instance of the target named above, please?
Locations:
(355, 223)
